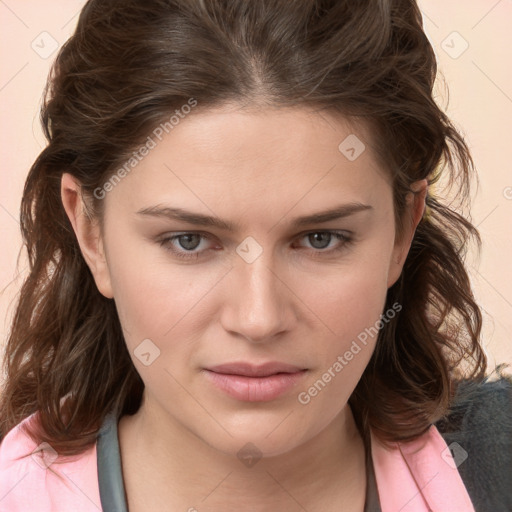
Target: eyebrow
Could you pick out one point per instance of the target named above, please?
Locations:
(200, 219)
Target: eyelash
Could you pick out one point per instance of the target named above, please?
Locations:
(188, 255)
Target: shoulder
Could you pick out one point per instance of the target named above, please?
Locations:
(478, 429)
(36, 477)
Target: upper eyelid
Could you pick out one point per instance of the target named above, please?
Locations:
(210, 235)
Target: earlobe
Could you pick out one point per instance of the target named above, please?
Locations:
(87, 232)
(415, 210)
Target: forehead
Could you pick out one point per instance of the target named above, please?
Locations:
(230, 133)
(263, 158)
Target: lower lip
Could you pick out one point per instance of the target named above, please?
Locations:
(255, 389)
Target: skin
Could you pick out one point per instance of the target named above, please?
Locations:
(295, 303)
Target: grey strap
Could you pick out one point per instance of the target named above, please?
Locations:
(372, 503)
(110, 475)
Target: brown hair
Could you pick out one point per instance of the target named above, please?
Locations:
(127, 67)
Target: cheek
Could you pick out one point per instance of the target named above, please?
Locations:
(346, 300)
(153, 294)
(351, 319)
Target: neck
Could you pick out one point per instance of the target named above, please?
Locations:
(165, 464)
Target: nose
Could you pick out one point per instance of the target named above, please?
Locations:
(261, 305)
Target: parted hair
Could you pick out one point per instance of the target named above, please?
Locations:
(128, 66)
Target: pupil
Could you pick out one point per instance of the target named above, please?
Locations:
(188, 245)
(315, 235)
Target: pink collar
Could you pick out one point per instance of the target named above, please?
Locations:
(419, 476)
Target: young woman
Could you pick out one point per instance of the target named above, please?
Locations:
(243, 292)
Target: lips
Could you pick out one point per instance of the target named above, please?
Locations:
(254, 383)
(250, 370)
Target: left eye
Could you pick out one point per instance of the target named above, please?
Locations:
(320, 240)
(189, 242)
(323, 235)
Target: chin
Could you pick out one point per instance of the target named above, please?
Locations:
(249, 449)
(260, 435)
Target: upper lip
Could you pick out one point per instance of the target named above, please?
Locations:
(252, 370)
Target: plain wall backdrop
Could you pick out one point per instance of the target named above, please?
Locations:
(473, 42)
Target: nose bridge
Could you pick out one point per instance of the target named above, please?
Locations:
(259, 307)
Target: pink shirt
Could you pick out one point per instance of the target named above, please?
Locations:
(28, 484)
(420, 476)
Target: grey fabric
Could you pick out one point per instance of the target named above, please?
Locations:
(110, 475)
(480, 421)
(371, 503)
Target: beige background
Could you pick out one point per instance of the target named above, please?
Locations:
(473, 42)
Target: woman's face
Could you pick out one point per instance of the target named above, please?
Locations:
(256, 323)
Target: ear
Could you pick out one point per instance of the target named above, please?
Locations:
(415, 208)
(87, 232)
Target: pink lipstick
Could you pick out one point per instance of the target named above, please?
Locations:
(255, 383)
